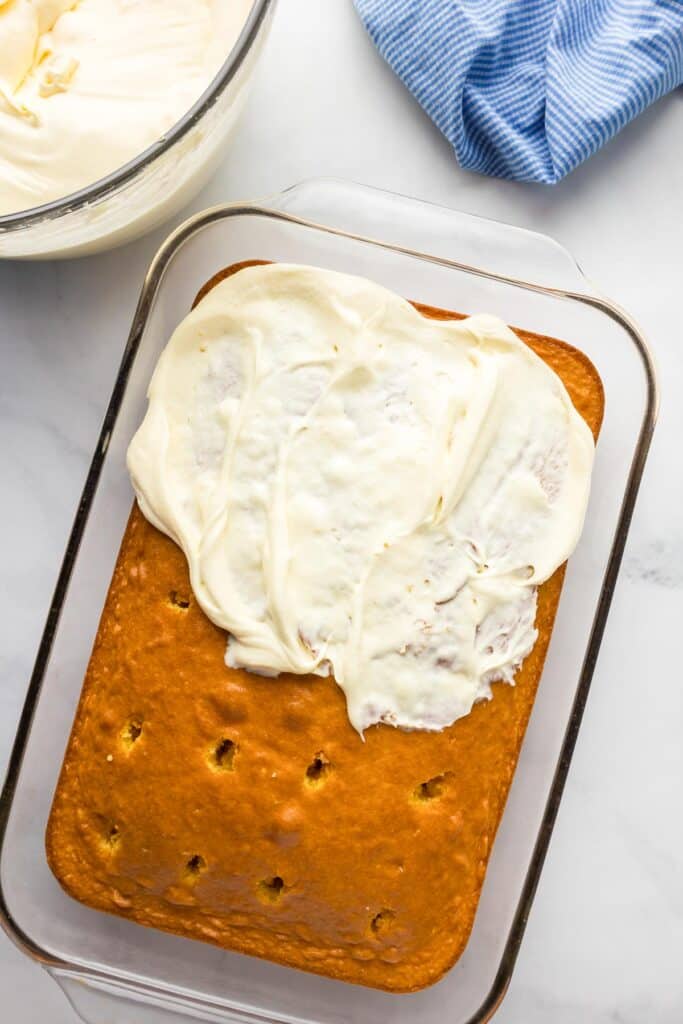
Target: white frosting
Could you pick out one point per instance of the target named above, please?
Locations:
(361, 490)
(86, 85)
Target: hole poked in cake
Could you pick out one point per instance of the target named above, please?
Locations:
(194, 867)
(131, 731)
(113, 836)
(110, 834)
(382, 922)
(179, 600)
(269, 890)
(433, 788)
(318, 770)
(222, 755)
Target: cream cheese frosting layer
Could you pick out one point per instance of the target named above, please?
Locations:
(361, 490)
(86, 85)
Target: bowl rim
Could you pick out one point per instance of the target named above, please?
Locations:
(121, 176)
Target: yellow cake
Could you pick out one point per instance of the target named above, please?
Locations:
(245, 811)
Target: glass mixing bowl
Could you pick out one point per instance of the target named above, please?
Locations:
(154, 185)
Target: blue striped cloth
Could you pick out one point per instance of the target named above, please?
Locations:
(528, 89)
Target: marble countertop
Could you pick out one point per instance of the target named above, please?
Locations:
(604, 940)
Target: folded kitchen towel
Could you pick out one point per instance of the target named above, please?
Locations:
(528, 89)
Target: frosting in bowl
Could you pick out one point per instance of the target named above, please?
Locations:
(361, 490)
(86, 85)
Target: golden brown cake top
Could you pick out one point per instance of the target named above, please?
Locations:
(244, 811)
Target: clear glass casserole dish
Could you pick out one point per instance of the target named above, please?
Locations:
(153, 186)
(441, 258)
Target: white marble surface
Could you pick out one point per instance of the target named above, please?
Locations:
(605, 937)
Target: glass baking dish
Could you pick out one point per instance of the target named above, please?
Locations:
(442, 258)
